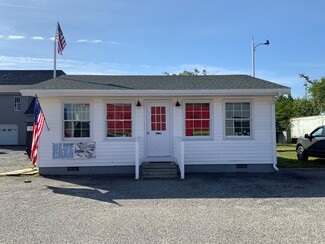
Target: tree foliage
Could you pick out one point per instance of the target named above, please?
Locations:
(304, 107)
(284, 110)
(313, 103)
(190, 73)
(315, 91)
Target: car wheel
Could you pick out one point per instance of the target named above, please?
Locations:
(301, 153)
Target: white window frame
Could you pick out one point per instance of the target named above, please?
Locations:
(77, 139)
(251, 122)
(132, 119)
(17, 104)
(198, 138)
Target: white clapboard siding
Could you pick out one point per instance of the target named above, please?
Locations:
(115, 151)
(221, 150)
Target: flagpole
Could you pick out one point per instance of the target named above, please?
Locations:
(36, 97)
(56, 31)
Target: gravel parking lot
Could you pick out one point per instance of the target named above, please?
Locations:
(13, 158)
(285, 207)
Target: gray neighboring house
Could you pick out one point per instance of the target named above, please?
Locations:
(17, 111)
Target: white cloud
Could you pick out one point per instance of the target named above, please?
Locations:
(114, 43)
(89, 41)
(69, 66)
(37, 38)
(1, 36)
(15, 37)
(82, 40)
(21, 6)
(96, 41)
(52, 38)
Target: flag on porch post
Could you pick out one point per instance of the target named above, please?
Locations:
(38, 125)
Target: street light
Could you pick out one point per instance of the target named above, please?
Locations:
(267, 42)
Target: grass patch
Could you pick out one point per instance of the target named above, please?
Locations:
(287, 158)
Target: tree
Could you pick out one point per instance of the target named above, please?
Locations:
(304, 107)
(315, 91)
(284, 110)
(189, 73)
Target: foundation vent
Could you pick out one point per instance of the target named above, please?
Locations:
(72, 168)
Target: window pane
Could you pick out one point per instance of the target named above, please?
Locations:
(205, 124)
(189, 115)
(237, 114)
(197, 121)
(229, 114)
(206, 115)
(158, 118)
(229, 123)
(237, 106)
(127, 115)
(17, 103)
(189, 106)
(245, 106)
(245, 114)
(246, 131)
(237, 119)
(229, 106)
(189, 132)
(119, 120)
(85, 133)
(245, 124)
(76, 120)
(163, 126)
(229, 131)
(68, 129)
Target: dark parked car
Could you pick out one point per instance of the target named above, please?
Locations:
(312, 145)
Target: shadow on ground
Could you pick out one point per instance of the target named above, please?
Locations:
(284, 184)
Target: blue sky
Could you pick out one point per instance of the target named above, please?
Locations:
(156, 36)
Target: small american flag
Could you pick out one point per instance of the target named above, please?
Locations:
(38, 125)
(61, 40)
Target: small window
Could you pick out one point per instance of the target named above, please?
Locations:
(17, 103)
(197, 119)
(76, 122)
(119, 120)
(158, 118)
(238, 119)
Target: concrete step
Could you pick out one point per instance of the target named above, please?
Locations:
(159, 165)
(159, 170)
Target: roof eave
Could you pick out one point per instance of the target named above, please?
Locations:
(130, 93)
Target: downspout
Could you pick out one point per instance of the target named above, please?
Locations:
(275, 98)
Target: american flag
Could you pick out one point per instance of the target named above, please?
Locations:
(38, 125)
(61, 40)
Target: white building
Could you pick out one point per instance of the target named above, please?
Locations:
(112, 124)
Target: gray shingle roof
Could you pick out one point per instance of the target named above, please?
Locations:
(26, 77)
(98, 82)
(11, 81)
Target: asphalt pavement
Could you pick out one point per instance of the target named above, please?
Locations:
(284, 207)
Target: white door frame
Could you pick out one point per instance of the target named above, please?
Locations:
(169, 120)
